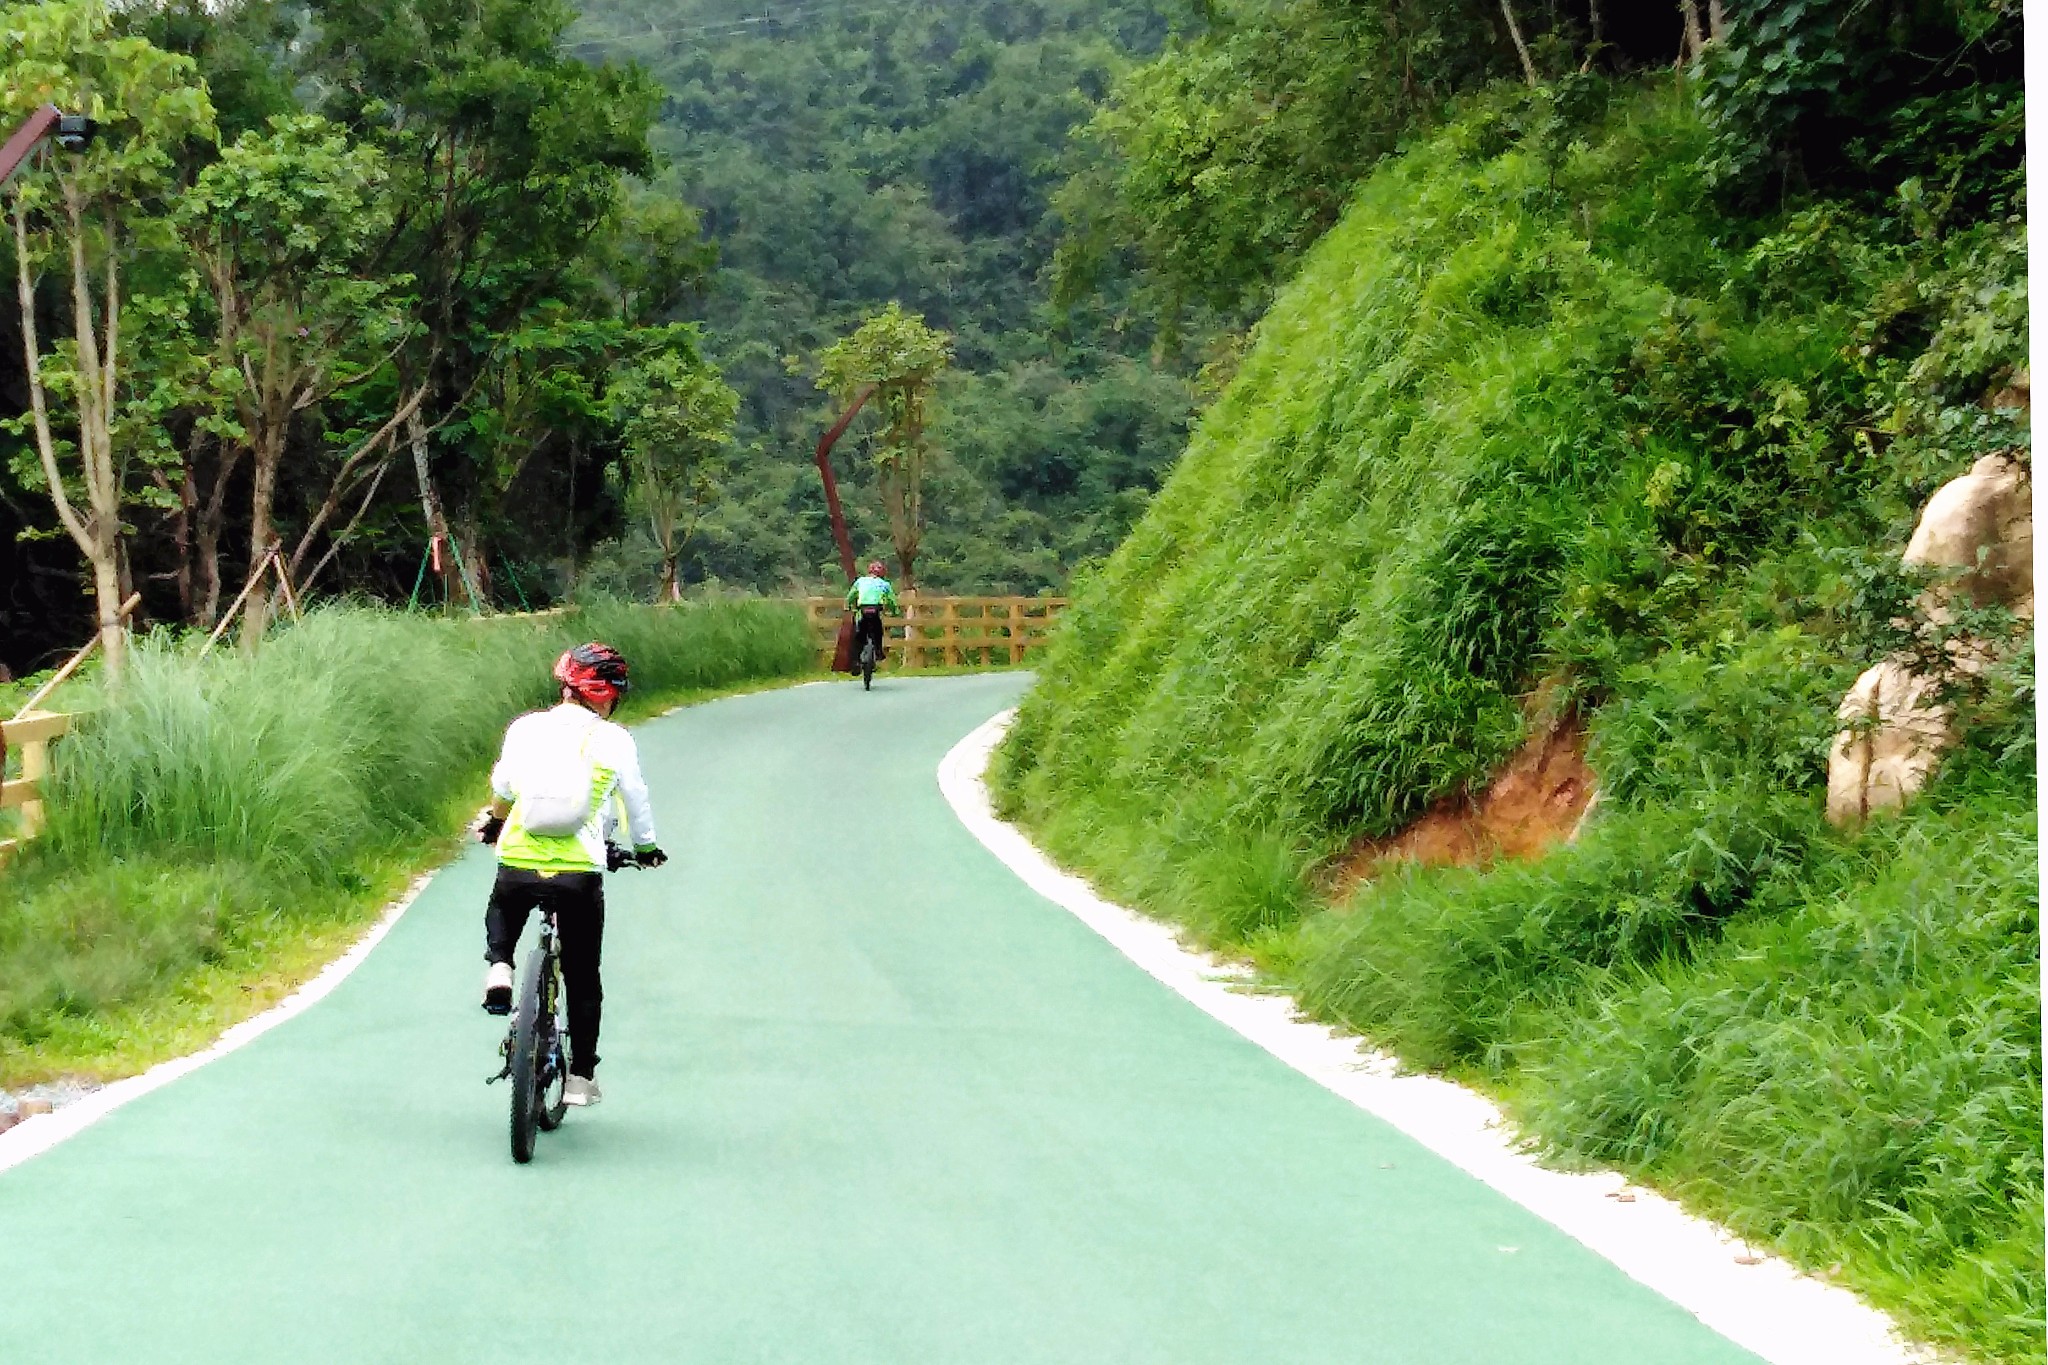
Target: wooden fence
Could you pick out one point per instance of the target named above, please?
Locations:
(949, 632)
(28, 734)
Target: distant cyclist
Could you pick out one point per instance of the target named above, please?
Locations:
(554, 786)
(870, 596)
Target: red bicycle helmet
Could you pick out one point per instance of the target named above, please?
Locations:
(595, 672)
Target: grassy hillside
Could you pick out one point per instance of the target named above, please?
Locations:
(1541, 434)
(218, 825)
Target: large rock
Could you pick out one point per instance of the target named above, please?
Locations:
(1981, 523)
(1896, 735)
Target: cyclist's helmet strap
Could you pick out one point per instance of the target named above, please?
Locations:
(595, 672)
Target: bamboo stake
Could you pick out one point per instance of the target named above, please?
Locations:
(284, 580)
(227, 617)
(71, 664)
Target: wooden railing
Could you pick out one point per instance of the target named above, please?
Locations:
(28, 734)
(949, 632)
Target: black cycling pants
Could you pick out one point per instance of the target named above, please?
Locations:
(869, 627)
(578, 900)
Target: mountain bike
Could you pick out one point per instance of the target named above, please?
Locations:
(536, 1047)
(869, 650)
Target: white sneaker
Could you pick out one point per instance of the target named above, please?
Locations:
(581, 1091)
(498, 988)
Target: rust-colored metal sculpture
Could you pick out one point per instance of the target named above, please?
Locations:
(842, 649)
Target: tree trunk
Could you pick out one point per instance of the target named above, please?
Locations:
(106, 588)
(430, 504)
(475, 562)
(339, 539)
(97, 532)
(262, 500)
(1507, 9)
(206, 537)
(379, 446)
(182, 527)
(98, 342)
(661, 523)
(1695, 36)
(832, 507)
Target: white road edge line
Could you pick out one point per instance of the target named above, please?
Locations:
(34, 1136)
(1767, 1305)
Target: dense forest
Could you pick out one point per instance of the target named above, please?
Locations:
(576, 270)
(568, 280)
(307, 295)
(846, 155)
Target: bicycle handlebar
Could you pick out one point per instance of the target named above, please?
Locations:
(618, 856)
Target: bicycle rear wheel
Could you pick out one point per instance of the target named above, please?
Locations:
(551, 1087)
(527, 1058)
(867, 666)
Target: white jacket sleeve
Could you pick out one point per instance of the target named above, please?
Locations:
(503, 782)
(632, 787)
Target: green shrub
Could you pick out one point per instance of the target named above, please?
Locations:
(1734, 708)
(1448, 964)
(1855, 1075)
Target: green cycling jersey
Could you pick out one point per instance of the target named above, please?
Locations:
(870, 591)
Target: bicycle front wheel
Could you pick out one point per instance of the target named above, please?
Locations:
(528, 1058)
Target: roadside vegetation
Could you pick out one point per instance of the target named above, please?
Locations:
(1570, 369)
(1577, 416)
(220, 826)
(554, 296)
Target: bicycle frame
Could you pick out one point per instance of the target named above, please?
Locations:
(550, 998)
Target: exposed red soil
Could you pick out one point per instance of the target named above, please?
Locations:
(1532, 806)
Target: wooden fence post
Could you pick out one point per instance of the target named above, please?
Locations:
(30, 732)
(35, 767)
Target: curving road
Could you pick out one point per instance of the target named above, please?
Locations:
(870, 1101)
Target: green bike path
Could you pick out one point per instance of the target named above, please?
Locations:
(870, 1101)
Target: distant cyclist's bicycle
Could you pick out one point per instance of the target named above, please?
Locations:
(870, 646)
(536, 1047)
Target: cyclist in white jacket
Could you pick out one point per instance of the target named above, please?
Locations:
(554, 787)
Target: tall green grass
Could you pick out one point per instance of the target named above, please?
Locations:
(1539, 419)
(207, 802)
(1851, 1072)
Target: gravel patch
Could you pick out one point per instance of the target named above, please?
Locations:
(16, 1105)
